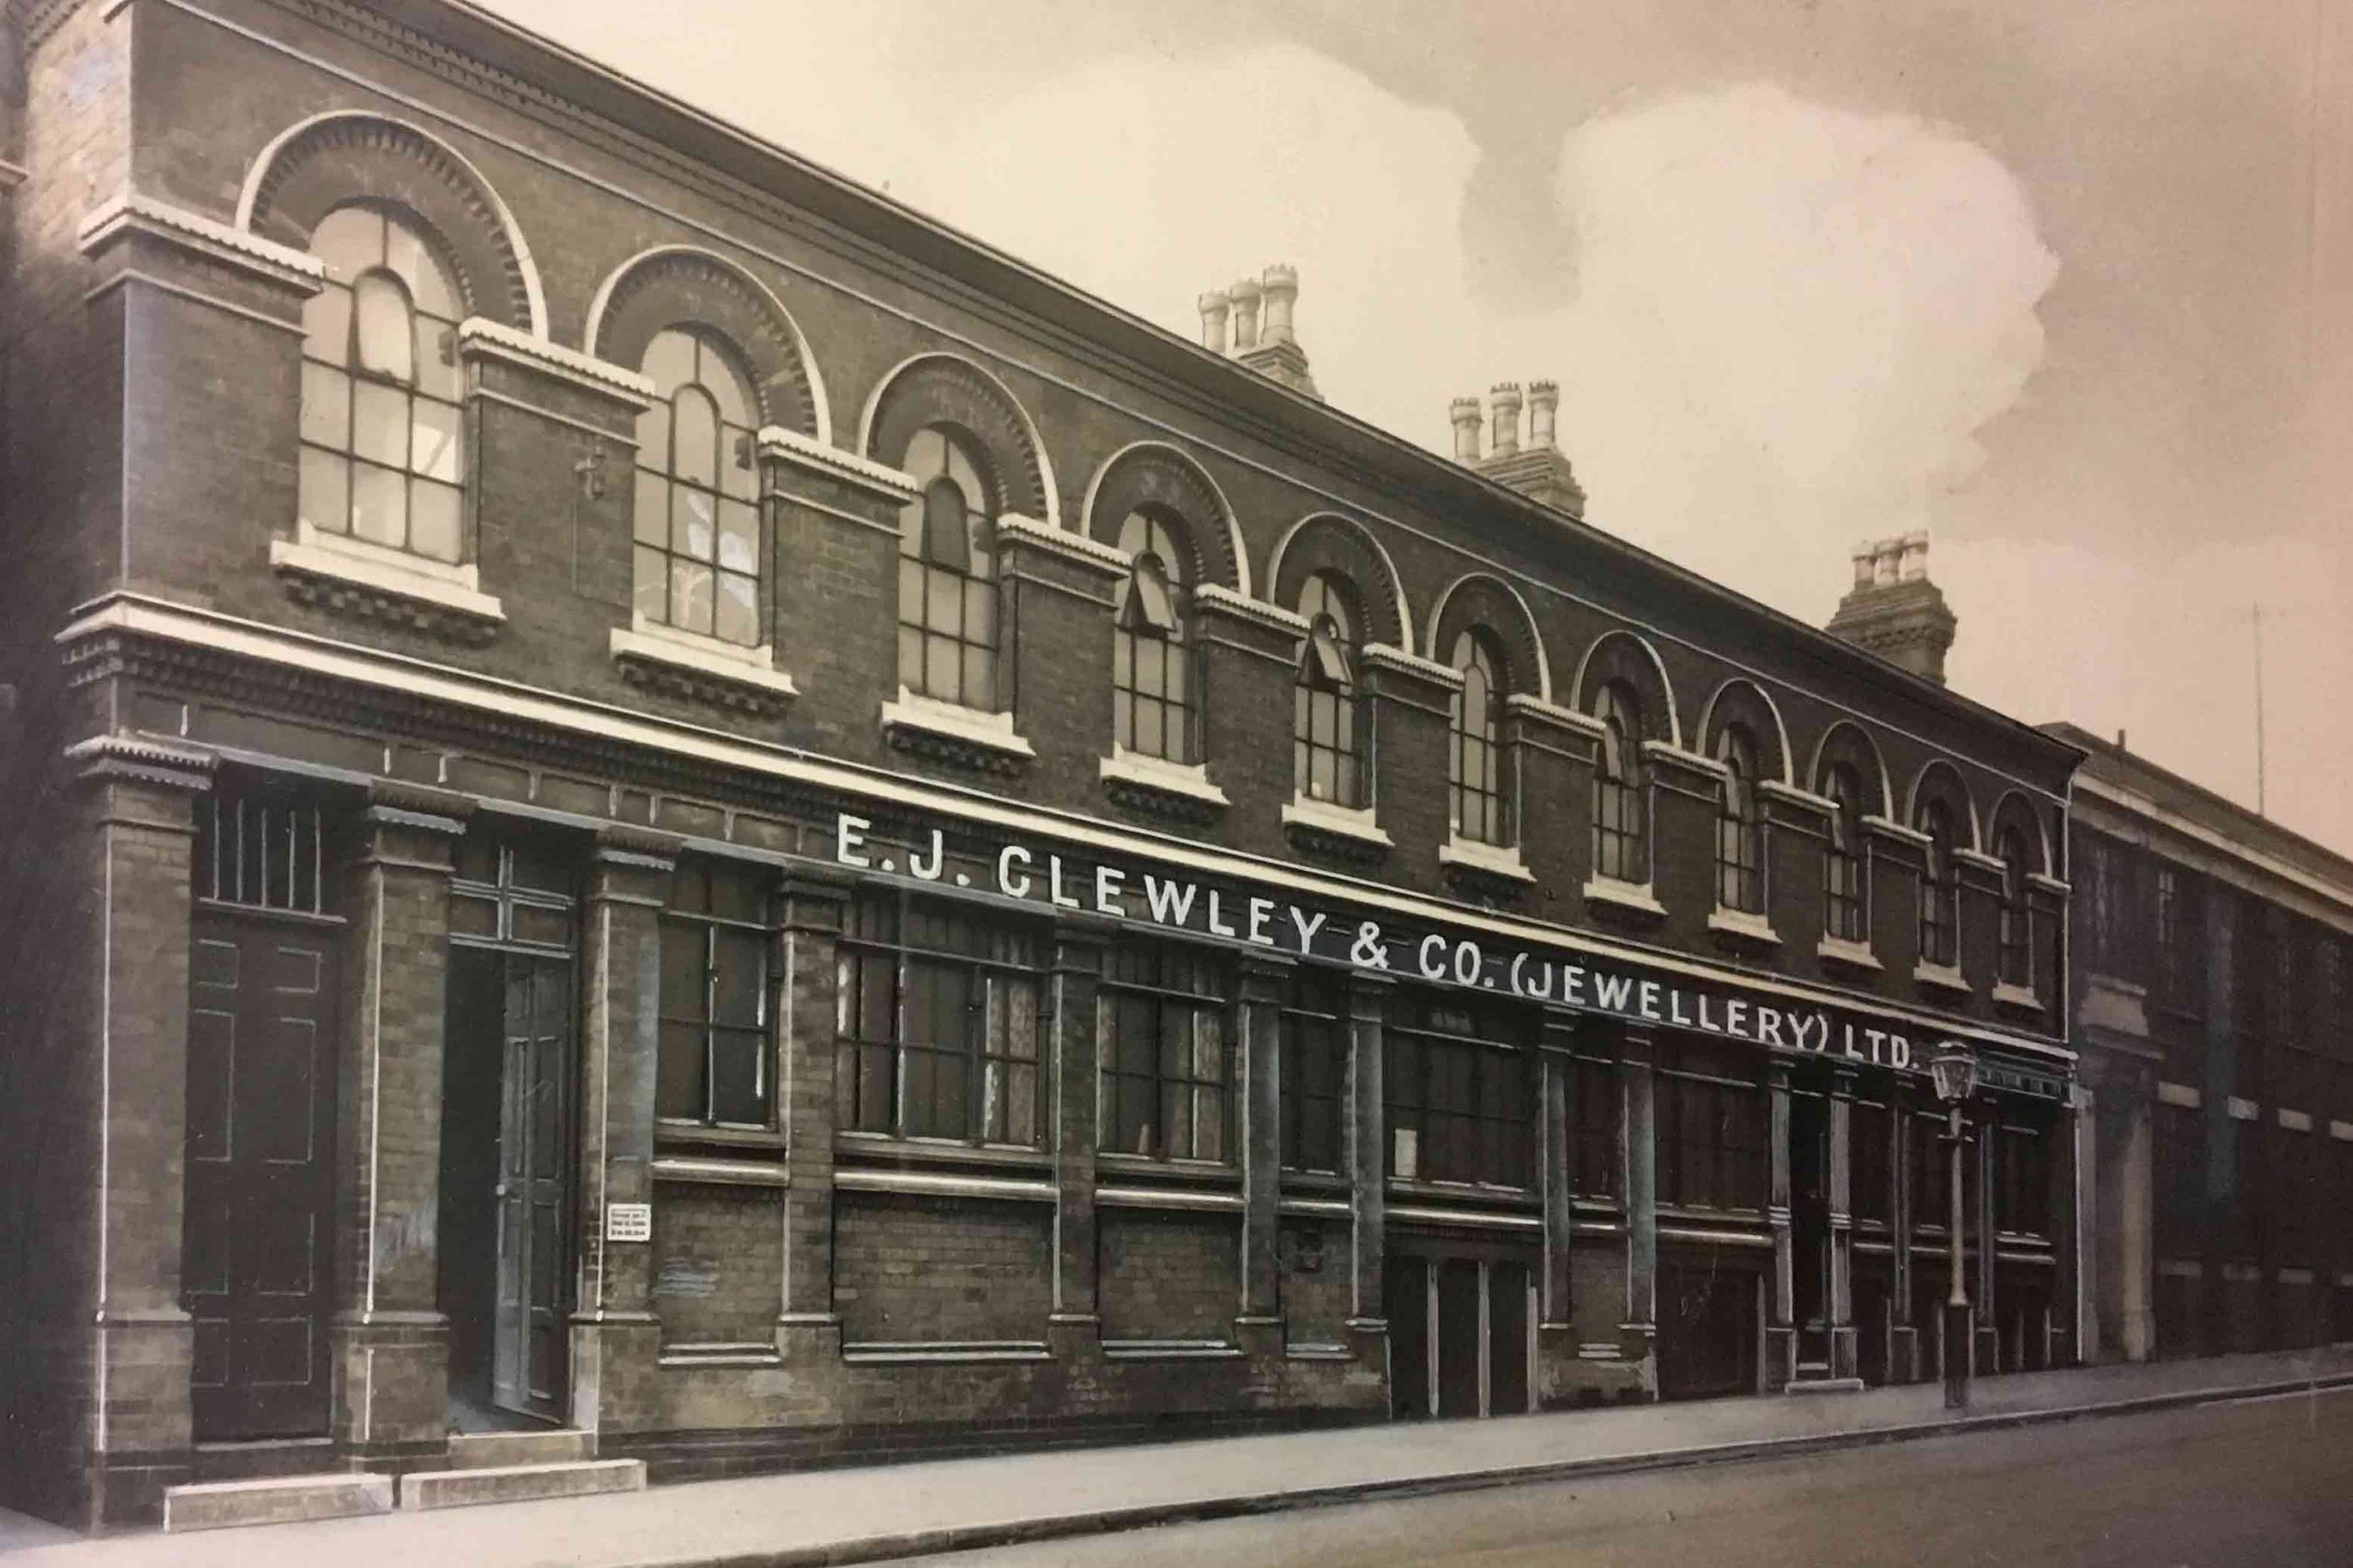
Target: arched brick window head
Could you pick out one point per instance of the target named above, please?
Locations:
(1621, 795)
(947, 629)
(1740, 826)
(698, 522)
(382, 452)
(1152, 688)
(1327, 711)
(1939, 890)
(1844, 912)
(1474, 754)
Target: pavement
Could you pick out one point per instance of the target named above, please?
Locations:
(878, 1514)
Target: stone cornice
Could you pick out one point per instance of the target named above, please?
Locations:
(804, 452)
(1888, 827)
(1219, 599)
(1381, 656)
(1668, 755)
(145, 760)
(1773, 788)
(495, 339)
(128, 213)
(1538, 710)
(1014, 528)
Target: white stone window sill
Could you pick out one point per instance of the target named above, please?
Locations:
(2295, 1120)
(1346, 822)
(992, 732)
(2341, 1131)
(1494, 859)
(2183, 1095)
(2243, 1109)
(1742, 923)
(1189, 780)
(1636, 896)
(1944, 976)
(2016, 995)
(1838, 950)
(645, 639)
(386, 570)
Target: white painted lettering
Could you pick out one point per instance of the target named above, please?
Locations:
(1308, 926)
(1650, 999)
(1218, 927)
(1108, 890)
(1055, 893)
(1010, 882)
(1616, 991)
(850, 836)
(1262, 915)
(1736, 1016)
(1572, 983)
(1432, 969)
(1171, 902)
(1469, 962)
(930, 873)
(1674, 1013)
(1768, 1025)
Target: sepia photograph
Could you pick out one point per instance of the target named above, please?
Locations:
(1146, 783)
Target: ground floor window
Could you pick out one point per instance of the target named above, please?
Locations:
(2022, 1179)
(1458, 1081)
(1595, 1117)
(937, 1025)
(1166, 1070)
(1314, 1069)
(1871, 1187)
(1709, 1118)
(714, 1066)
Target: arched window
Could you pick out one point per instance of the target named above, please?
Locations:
(1328, 712)
(1474, 756)
(697, 490)
(948, 646)
(1740, 827)
(2014, 952)
(1152, 675)
(1620, 792)
(382, 458)
(1843, 889)
(1939, 889)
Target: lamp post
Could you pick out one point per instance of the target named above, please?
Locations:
(1954, 1067)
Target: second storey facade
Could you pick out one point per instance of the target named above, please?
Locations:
(760, 829)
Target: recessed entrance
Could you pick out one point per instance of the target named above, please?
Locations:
(1458, 1336)
(506, 1136)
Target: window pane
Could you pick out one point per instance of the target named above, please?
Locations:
(942, 667)
(326, 490)
(653, 437)
(652, 598)
(407, 255)
(739, 463)
(387, 337)
(435, 451)
(738, 973)
(693, 526)
(678, 1085)
(379, 423)
(379, 504)
(669, 364)
(326, 325)
(739, 537)
(439, 374)
(350, 240)
(696, 438)
(739, 1082)
(653, 508)
(433, 524)
(690, 596)
(326, 405)
(738, 619)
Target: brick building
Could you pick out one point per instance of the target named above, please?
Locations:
(2212, 1008)
(657, 795)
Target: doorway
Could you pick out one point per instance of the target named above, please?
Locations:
(1710, 1319)
(1460, 1331)
(508, 1070)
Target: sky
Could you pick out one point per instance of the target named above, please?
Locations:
(2068, 284)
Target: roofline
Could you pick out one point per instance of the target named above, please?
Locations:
(2106, 759)
(871, 215)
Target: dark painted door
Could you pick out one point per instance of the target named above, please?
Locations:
(259, 1183)
(1406, 1298)
(1460, 1334)
(1708, 1331)
(528, 1371)
(1508, 1338)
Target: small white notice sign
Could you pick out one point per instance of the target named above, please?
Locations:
(1408, 1154)
(628, 1221)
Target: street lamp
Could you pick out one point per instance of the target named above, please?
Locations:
(1954, 1067)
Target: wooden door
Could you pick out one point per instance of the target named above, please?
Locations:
(1507, 1302)
(527, 1371)
(1461, 1334)
(260, 1182)
(1405, 1299)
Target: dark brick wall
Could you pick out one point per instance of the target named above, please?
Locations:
(923, 1269)
(1168, 1275)
(717, 1270)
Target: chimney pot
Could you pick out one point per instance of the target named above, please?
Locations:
(1280, 288)
(1464, 413)
(1543, 406)
(1216, 308)
(1504, 436)
(1244, 298)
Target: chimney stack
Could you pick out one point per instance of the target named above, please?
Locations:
(1464, 412)
(1252, 321)
(1503, 432)
(1216, 307)
(1894, 610)
(1539, 471)
(1245, 296)
(1543, 405)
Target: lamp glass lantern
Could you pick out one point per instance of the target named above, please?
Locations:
(1954, 1067)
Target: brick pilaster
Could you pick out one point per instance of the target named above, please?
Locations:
(1780, 1324)
(1903, 1335)
(389, 1340)
(1841, 1305)
(1074, 1323)
(1265, 982)
(1367, 1156)
(1556, 1339)
(814, 904)
(135, 832)
(1638, 1333)
(615, 1338)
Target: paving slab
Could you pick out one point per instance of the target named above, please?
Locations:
(872, 1514)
